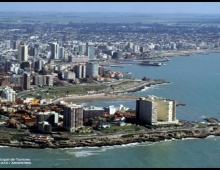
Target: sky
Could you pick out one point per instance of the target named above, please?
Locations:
(130, 7)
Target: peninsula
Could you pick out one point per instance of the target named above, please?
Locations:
(185, 130)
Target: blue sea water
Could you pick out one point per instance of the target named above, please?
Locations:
(194, 81)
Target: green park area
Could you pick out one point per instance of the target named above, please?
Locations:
(118, 129)
(56, 92)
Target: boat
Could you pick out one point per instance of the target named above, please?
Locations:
(167, 59)
(150, 63)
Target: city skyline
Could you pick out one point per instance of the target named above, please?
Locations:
(125, 7)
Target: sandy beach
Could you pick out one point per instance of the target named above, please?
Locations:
(97, 97)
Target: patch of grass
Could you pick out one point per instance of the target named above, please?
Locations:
(14, 130)
(12, 137)
(115, 129)
(78, 133)
(18, 137)
(202, 125)
(66, 90)
(5, 135)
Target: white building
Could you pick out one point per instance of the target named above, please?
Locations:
(69, 75)
(22, 52)
(54, 51)
(17, 79)
(61, 52)
(49, 80)
(14, 68)
(110, 109)
(72, 117)
(8, 94)
(80, 71)
(44, 126)
(51, 117)
(92, 69)
(154, 110)
(82, 49)
(90, 52)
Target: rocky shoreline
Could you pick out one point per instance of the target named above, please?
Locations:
(119, 139)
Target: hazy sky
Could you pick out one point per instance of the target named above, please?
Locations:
(134, 7)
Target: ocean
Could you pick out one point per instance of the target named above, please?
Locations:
(194, 81)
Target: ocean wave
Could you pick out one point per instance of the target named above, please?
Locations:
(157, 86)
(202, 117)
(211, 136)
(89, 151)
(83, 153)
(145, 88)
(1, 146)
(188, 138)
(168, 140)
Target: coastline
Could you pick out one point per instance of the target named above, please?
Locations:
(168, 53)
(188, 52)
(120, 139)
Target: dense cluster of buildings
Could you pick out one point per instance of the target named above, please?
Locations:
(70, 117)
(42, 54)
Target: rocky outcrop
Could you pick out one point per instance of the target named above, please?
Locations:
(120, 139)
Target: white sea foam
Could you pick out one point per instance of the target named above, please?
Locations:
(83, 153)
(145, 88)
(211, 136)
(54, 165)
(188, 138)
(63, 159)
(202, 117)
(168, 140)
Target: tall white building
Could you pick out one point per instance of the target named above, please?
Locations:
(49, 80)
(22, 52)
(7, 44)
(72, 117)
(82, 49)
(155, 110)
(92, 69)
(54, 51)
(61, 52)
(173, 45)
(38, 64)
(90, 50)
(80, 71)
(8, 94)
